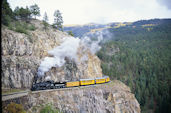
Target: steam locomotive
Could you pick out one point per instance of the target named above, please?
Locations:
(50, 84)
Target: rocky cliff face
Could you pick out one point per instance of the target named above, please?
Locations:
(113, 97)
(22, 55)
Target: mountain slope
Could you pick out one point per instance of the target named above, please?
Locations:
(139, 55)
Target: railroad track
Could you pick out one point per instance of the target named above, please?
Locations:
(24, 93)
(14, 95)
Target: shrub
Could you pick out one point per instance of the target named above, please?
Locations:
(15, 108)
(49, 109)
(24, 25)
(6, 20)
(70, 33)
(20, 28)
(11, 27)
(32, 27)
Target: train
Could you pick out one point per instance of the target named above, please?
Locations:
(50, 84)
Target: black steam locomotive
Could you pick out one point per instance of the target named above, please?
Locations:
(47, 85)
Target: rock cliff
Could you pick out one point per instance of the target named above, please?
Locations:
(113, 97)
(22, 55)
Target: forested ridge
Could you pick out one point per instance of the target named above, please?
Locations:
(140, 56)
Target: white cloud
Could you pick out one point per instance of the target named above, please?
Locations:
(166, 3)
(99, 11)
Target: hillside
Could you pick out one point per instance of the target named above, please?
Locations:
(80, 30)
(140, 56)
(83, 30)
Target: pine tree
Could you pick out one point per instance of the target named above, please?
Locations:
(45, 21)
(27, 14)
(22, 13)
(7, 14)
(58, 21)
(16, 12)
(35, 10)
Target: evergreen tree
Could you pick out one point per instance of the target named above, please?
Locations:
(58, 21)
(22, 13)
(16, 12)
(45, 21)
(7, 14)
(27, 14)
(35, 10)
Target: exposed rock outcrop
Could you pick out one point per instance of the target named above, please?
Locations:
(113, 97)
(22, 55)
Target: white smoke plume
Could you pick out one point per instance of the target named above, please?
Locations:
(93, 40)
(69, 49)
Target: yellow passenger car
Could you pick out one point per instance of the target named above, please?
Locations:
(100, 80)
(72, 84)
(107, 79)
(86, 82)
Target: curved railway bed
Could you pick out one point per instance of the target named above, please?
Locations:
(82, 82)
(14, 95)
(49, 86)
(24, 93)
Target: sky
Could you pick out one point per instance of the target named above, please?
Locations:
(99, 11)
